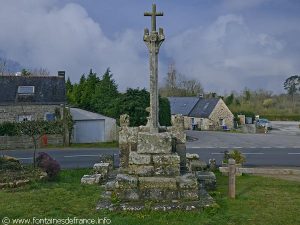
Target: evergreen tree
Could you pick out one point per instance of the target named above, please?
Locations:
(106, 91)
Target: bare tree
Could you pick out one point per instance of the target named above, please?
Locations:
(40, 72)
(3, 65)
(177, 84)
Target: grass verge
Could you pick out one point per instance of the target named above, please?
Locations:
(259, 201)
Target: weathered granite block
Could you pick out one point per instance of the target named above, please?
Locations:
(124, 155)
(181, 151)
(139, 159)
(101, 168)
(187, 181)
(189, 194)
(197, 165)
(166, 159)
(110, 186)
(207, 180)
(167, 170)
(91, 179)
(128, 138)
(128, 194)
(157, 183)
(124, 181)
(128, 135)
(190, 156)
(159, 194)
(141, 170)
(154, 143)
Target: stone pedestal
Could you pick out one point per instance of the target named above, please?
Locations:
(153, 172)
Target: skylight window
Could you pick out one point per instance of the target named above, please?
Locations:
(26, 90)
(206, 105)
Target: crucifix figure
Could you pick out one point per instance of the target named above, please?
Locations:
(153, 41)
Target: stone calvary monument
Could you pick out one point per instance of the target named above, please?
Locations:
(153, 169)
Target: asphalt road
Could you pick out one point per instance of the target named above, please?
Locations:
(276, 149)
(287, 157)
(67, 158)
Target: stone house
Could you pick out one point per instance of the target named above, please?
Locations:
(31, 97)
(201, 113)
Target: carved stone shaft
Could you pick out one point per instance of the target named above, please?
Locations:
(153, 41)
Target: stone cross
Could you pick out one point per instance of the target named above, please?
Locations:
(153, 15)
(153, 41)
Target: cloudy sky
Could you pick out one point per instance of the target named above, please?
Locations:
(225, 44)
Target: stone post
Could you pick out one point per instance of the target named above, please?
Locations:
(231, 176)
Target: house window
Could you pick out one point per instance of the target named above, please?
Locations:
(192, 121)
(26, 90)
(22, 118)
(49, 116)
(222, 122)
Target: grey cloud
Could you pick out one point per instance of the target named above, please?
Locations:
(226, 54)
(40, 34)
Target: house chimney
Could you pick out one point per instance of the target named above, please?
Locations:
(61, 73)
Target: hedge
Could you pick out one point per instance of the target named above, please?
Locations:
(295, 117)
(35, 127)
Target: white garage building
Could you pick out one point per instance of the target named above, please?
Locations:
(91, 127)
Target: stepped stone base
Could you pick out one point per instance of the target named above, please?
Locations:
(150, 172)
(205, 201)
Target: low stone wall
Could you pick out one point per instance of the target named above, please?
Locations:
(268, 171)
(15, 142)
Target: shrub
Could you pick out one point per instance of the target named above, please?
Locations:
(9, 163)
(234, 154)
(48, 165)
(9, 129)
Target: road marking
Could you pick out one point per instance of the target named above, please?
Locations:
(294, 153)
(74, 156)
(253, 153)
(24, 158)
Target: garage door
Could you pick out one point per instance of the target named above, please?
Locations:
(89, 131)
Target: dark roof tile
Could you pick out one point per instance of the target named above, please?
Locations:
(48, 89)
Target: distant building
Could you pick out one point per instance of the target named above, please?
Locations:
(201, 113)
(92, 127)
(31, 97)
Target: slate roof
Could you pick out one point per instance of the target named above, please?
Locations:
(80, 114)
(48, 90)
(204, 107)
(182, 105)
(192, 106)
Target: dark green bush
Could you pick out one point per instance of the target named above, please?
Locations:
(8, 129)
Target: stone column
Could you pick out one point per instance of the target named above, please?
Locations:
(153, 41)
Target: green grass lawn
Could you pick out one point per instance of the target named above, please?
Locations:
(259, 201)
